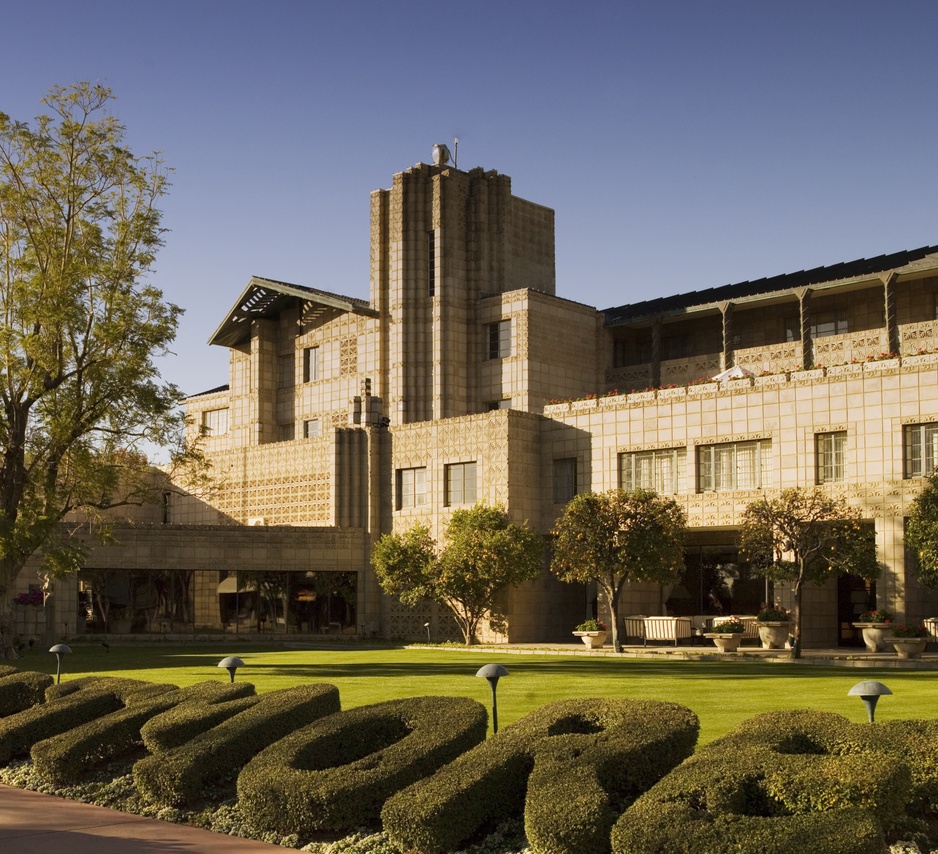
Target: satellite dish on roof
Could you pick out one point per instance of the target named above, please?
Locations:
(440, 154)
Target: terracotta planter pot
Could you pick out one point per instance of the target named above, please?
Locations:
(725, 641)
(594, 640)
(774, 634)
(909, 647)
(874, 635)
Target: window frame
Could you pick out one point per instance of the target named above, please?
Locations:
(458, 487)
(208, 429)
(412, 488)
(498, 339)
(830, 454)
(311, 428)
(676, 456)
(714, 475)
(312, 368)
(920, 464)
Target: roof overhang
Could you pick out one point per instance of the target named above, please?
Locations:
(266, 298)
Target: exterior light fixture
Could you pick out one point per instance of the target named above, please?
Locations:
(59, 649)
(427, 627)
(231, 664)
(493, 672)
(870, 692)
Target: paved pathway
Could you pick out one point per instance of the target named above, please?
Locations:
(32, 823)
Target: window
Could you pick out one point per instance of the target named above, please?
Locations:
(831, 455)
(460, 480)
(674, 347)
(311, 429)
(823, 324)
(735, 465)
(431, 263)
(492, 405)
(498, 339)
(564, 480)
(411, 488)
(664, 470)
(214, 422)
(921, 449)
(310, 364)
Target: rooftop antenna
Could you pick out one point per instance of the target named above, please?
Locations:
(455, 152)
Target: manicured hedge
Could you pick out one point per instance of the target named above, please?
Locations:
(214, 702)
(336, 773)
(775, 782)
(20, 690)
(578, 761)
(64, 709)
(67, 757)
(7, 670)
(215, 757)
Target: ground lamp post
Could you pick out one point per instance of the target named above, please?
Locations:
(493, 672)
(231, 664)
(427, 627)
(870, 692)
(59, 649)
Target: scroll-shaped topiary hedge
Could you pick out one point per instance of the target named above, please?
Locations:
(215, 703)
(67, 757)
(778, 782)
(577, 760)
(65, 708)
(336, 773)
(21, 689)
(181, 776)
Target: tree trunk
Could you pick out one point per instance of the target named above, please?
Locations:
(796, 646)
(612, 599)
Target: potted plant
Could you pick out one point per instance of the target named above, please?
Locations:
(874, 625)
(774, 623)
(909, 640)
(727, 635)
(592, 633)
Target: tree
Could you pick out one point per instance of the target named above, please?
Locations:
(806, 536)
(921, 533)
(483, 553)
(79, 389)
(616, 537)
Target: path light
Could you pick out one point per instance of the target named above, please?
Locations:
(870, 692)
(427, 627)
(59, 649)
(231, 664)
(492, 672)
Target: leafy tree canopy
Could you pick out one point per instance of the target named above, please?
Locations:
(807, 536)
(921, 534)
(79, 390)
(482, 554)
(616, 537)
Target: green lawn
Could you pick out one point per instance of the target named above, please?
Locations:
(721, 693)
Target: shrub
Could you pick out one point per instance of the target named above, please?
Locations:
(20, 690)
(578, 760)
(213, 703)
(215, 757)
(775, 781)
(90, 699)
(336, 773)
(65, 758)
(7, 670)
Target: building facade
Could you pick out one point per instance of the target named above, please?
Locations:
(465, 377)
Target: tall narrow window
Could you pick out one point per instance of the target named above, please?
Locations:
(735, 465)
(661, 470)
(411, 487)
(310, 364)
(564, 480)
(431, 263)
(214, 422)
(498, 339)
(831, 455)
(460, 481)
(921, 449)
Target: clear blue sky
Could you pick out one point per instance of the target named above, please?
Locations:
(683, 145)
